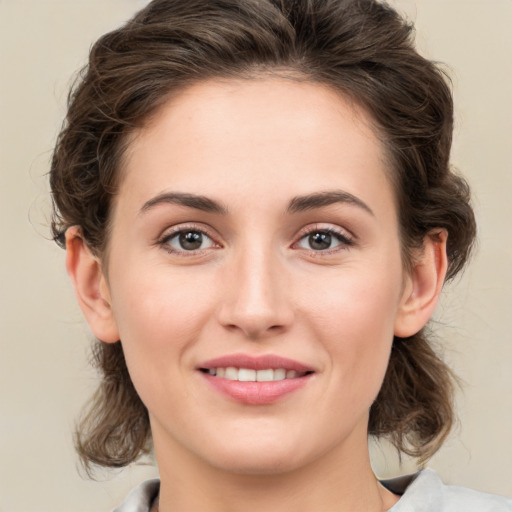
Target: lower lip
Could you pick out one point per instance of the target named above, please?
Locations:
(256, 393)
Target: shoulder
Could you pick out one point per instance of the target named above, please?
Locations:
(141, 497)
(425, 492)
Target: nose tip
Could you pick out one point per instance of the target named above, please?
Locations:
(256, 315)
(255, 325)
(255, 302)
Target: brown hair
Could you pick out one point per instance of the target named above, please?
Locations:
(363, 49)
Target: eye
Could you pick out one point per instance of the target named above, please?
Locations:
(324, 240)
(187, 240)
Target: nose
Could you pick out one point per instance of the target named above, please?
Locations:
(255, 296)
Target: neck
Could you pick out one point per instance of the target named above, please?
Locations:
(336, 481)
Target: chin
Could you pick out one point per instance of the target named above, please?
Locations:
(268, 455)
(257, 464)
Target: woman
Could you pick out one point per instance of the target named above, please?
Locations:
(259, 216)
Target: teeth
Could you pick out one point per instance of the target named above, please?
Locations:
(280, 374)
(246, 375)
(265, 375)
(231, 373)
(250, 375)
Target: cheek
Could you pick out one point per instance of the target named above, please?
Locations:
(159, 303)
(357, 303)
(159, 315)
(355, 320)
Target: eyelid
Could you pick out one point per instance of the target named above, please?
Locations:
(171, 232)
(346, 237)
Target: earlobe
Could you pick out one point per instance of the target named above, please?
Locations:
(91, 287)
(423, 287)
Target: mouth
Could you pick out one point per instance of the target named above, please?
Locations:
(252, 375)
(252, 380)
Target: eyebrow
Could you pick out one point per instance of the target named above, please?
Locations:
(297, 204)
(197, 202)
(320, 199)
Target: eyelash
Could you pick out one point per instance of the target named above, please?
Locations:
(165, 240)
(345, 240)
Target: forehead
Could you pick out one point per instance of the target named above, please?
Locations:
(255, 136)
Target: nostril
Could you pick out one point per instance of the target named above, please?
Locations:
(254, 318)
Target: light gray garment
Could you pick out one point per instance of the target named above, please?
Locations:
(421, 492)
(425, 492)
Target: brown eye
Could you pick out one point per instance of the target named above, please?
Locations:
(323, 240)
(320, 241)
(191, 240)
(187, 240)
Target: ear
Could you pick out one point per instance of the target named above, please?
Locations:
(91, 287)
(423, 285)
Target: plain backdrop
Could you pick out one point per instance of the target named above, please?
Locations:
(44, 373)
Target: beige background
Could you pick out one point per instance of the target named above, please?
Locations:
(44, 376)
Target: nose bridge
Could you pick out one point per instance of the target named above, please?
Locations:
(255, 301)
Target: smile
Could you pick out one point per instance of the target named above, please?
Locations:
(251, 375)
(255, 380)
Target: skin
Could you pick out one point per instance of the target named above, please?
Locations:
(257, 286)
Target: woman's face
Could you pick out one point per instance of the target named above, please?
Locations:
(255, 237)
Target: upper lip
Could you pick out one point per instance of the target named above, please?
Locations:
(262, 362)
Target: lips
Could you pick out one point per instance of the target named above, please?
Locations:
(255, 380)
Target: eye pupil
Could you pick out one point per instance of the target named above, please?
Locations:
(320, 241)
(191, 240)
